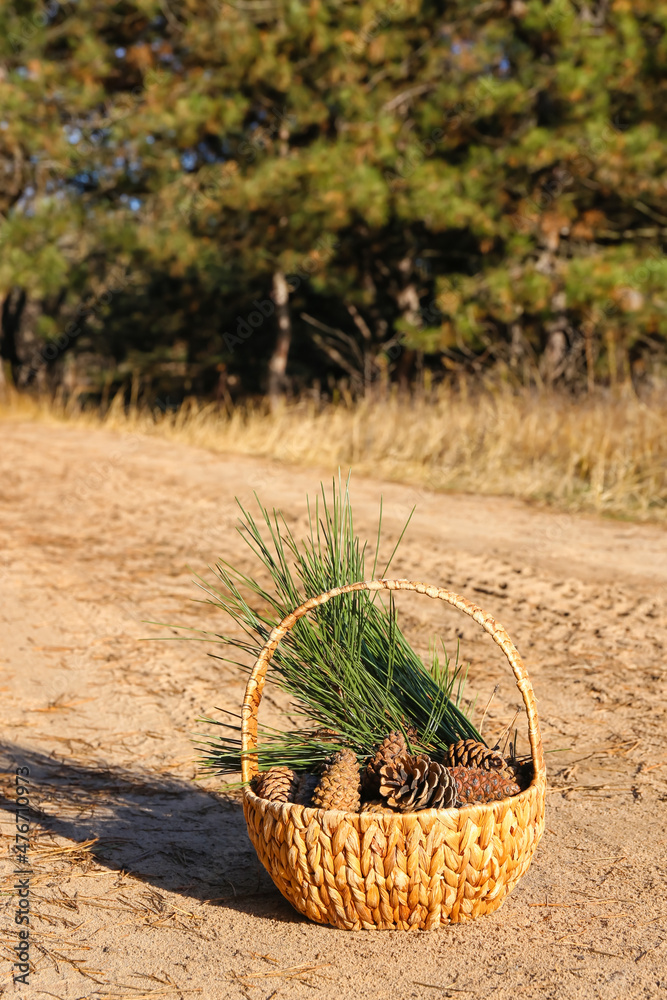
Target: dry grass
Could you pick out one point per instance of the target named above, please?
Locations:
(600, 453)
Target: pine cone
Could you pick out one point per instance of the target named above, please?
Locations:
(305, 788)
(392, 745)
(326, 735)
(471, 753)
(474, 784)
(410, 783)
(277, 784)
(340, 785)
(377, 806)
(521, 771)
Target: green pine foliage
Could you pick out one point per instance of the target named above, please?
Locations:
(347, 665)
(462, 175)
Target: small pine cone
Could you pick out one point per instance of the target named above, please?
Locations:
(410, 783)
(377, 806)
(471, 753)
(392, 745)
(305, 788)
(277, 784)
(521, 771)
(326, 735)
(339, 786)
(474, 784)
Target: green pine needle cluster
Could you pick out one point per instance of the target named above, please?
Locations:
(347, 665)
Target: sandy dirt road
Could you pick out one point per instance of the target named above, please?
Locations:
(144, 883)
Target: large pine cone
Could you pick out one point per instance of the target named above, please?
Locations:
(410, 783)
(474, 784)
(277, 784)
(339, 786)
(392, 745)
(471, 753)
(305, 788)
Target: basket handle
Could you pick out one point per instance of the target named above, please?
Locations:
(255, 686)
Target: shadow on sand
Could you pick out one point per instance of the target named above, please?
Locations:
(163, 829)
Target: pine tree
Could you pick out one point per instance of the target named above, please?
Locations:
(465, 182)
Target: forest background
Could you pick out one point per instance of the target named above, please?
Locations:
(272, 197)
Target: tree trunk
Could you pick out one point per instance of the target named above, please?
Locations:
(407, 301)
(278, 362)
(280, 295)
(555, 356)
(10, 325)
(590, 356)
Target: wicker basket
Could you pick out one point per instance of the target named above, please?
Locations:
(392, 870)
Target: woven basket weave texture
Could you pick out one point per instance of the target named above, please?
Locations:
(390, 870)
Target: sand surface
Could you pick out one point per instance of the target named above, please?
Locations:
(144, 883)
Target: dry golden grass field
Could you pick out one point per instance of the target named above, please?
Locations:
(144, 882)
(606, 454)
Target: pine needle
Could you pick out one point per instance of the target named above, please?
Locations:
(348, 665)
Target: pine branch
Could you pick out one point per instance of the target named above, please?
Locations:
(348, 666)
